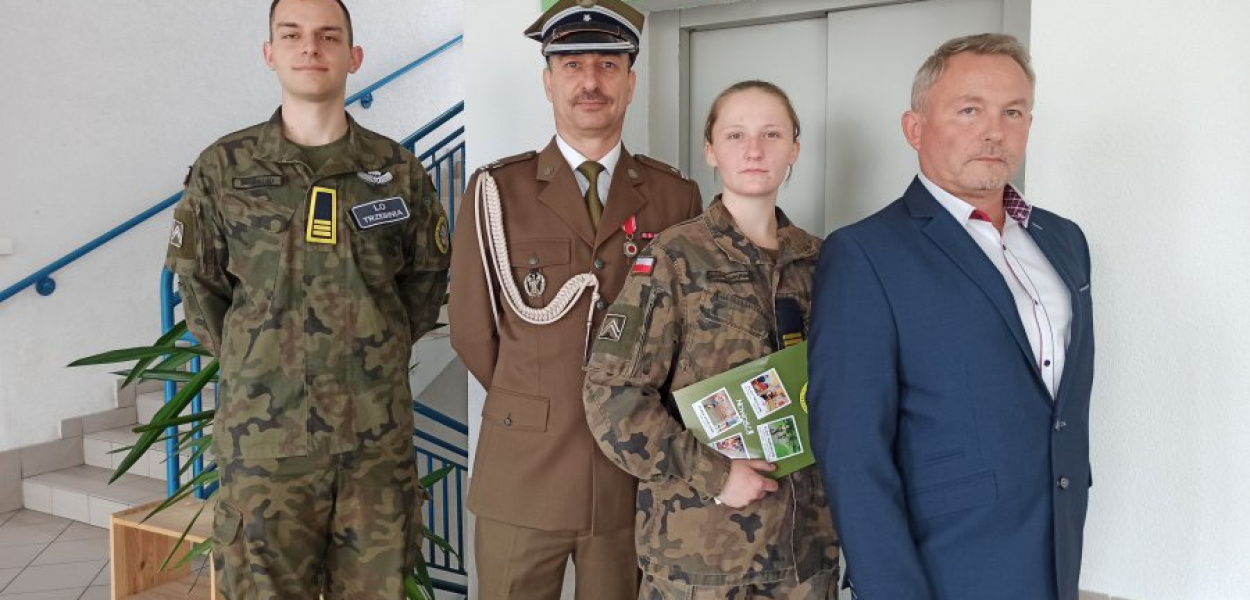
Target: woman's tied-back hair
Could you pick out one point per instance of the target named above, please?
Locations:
(753, 84)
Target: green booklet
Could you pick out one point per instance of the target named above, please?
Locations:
(754, 410)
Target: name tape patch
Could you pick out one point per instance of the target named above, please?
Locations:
(247, 183)
(380, 212)
(729, 277)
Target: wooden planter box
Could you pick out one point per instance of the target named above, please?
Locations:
(138, 548)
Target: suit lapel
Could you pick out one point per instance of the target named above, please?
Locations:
(562, 194)
(624, 198)
(1042, 231)
(955, 242)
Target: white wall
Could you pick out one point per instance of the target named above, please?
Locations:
(1142, 135)
(104, 106)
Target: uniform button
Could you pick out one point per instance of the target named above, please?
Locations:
(1046, 363)
(600, 304)
(1063, 483)
(507, 421)
(599, 264)
(1059, 425)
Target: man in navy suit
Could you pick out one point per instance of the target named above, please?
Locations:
(952, 355)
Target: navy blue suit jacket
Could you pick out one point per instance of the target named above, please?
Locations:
(952, 472)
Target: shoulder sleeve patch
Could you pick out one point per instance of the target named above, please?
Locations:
(182, 236)
(621, 331)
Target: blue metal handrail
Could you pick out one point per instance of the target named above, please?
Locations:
(42, 279)
(365, 96)
(440, 418)
(410, 142)
(437, 558)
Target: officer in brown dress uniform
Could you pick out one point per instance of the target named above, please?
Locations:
(542, 248)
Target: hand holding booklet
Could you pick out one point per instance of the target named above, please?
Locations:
(754, 410)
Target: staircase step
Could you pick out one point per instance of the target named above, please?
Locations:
(104, 449)
(148, 403)
(83, 493)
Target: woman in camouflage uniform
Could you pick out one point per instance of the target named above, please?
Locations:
(708, 295)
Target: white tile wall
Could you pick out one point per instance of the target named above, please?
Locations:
(70, 504)
(37, 496)
(101, 509)
(95, 452)
(10, 477)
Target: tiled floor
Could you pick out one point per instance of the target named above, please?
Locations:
(43, 557)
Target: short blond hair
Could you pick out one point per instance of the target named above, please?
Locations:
(981, 43)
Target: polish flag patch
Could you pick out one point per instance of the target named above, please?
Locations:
(643, 265)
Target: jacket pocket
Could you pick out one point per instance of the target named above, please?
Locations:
(953, 496)
(377, 252)
(256, 231)
(539, 267)
(230, 552)
(735, 313)
(511, 410)
(226, 524)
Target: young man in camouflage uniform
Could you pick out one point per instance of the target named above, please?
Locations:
(708, 295)
(578, 210)
(311, 255)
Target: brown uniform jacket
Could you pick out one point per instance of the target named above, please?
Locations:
(706, 306)
(536, 464)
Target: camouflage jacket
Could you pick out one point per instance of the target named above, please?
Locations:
(706, 306)
(313, 339)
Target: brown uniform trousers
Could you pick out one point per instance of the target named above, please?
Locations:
(536, 467)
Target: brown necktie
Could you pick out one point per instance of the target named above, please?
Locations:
(591, 170)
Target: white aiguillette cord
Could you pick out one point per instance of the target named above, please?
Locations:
(490, 227)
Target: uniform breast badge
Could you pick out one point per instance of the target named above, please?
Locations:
(630, 246)
(375, 177)
(535, 283)
(323, 221)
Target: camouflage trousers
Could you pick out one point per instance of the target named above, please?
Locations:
(345, 526)
(822, 586)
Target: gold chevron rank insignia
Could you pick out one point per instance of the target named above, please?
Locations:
(323, 221)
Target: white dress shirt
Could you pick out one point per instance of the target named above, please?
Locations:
(575, 159)
(1041, 297)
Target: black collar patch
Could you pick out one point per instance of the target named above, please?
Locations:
(380, 212)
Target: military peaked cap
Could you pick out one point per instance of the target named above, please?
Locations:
(579, 26)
